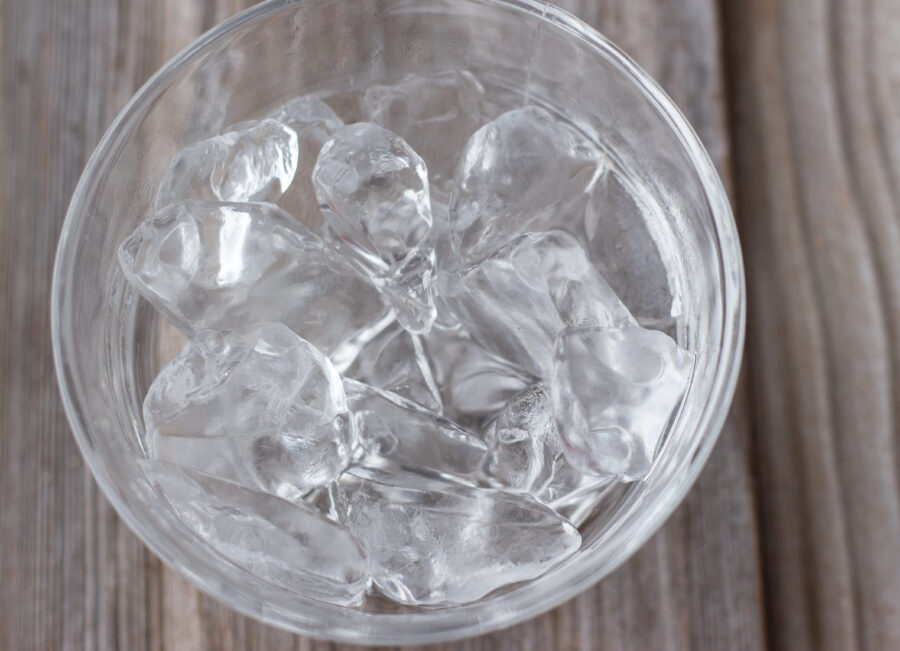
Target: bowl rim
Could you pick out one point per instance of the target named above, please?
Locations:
(444, 625)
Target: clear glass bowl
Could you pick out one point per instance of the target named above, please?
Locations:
(108, 343)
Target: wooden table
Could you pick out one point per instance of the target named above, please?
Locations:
(791, 538)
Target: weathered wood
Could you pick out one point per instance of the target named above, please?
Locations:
(73, 576)
(814, 99)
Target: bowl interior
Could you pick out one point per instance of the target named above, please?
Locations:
(109, 343)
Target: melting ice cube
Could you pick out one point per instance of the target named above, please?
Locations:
(258, 406)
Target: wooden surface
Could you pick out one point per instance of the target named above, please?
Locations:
(791, 538)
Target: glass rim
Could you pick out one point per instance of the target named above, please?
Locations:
(357, 627)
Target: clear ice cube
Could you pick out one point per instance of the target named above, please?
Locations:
(398, 432)
(395, 361)
(523, 443)
(516, 170)
(209, 265)
(324, 499)
(314, 123)
(517, 301)
(289, 545)
(619, 240)
(408, 289)
(432, 541)
(444, 252)
(474, 383)
(436, 114)
(254, 161)
(583, 496)
(309, 117)
(258, 406)
(614, 391)
(526, 454)
(373, 191)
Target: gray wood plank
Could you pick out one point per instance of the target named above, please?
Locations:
(814, 99)
(74, 577)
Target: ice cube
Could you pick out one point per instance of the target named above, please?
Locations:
(444, 252)
(314, 123)
(523, 443)
(432, 541)
(373, 191)
(614, 391)
(517, 169)
(619, 239)
(473, 382)
(254, 161)
(408, 289)
(290, 545)
(517, 301)
(310, 118)
(404, 434)
(345, 355)
(584, 495)
(258, 406)
(395, 361)
(209, 265)
(323, 499)
(435, 114)
(526, 454)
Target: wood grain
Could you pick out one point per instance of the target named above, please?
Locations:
(814, 99)
(791, 538)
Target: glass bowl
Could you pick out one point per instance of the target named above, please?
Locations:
(108, 342)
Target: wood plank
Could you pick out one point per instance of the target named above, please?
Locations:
(73, 576)
(814, 99)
